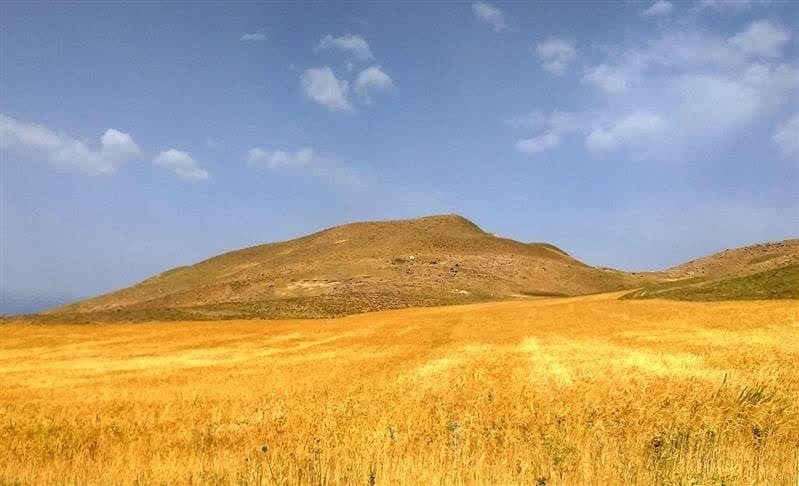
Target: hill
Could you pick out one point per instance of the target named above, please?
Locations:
(762, 271)
(356, 268)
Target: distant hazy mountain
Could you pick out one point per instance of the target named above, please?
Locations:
(13, 302)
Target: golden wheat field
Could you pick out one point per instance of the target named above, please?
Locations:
(587, 390)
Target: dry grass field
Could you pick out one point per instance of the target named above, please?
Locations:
(585, 390)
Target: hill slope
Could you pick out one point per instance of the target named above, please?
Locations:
(356, 268)
(762, 271)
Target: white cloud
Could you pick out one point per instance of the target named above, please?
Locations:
(705, 113)
(787, 137)
(610, 79)
(61, 150)
(117, 145)
(489, 14)
(254, 37)
(538, 144)
(182, 164)
(762, 38)
(322, 86)
(715, 102)
(275, 159)
(556, 55)
(307, 160)
(710, 109)
(634, 129)
(777, 84)
(661, 7)
(552, 128)
(354, 44)
(684, 94)
(681, 52)
(372, 79)
(702, 50)
(685, 50)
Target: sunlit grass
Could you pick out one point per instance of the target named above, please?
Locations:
(589, 390)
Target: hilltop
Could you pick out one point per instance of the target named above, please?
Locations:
(356, 268)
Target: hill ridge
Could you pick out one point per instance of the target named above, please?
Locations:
(357, 267)
(768, 270)
(433, 260)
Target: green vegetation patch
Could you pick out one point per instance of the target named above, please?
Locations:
(780, 283)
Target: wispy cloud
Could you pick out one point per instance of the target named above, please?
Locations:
(556, 55)
(254, 37)
(322, 86)
(307, 160)
(659, 8)
(762, 38)
(181, 164)
(276, 159)
(787, 137)
(609, 78)
(633, 129)
(552, 128)
(677, 95)
(538, 144)
(38, 141)
(354, 44)
(489, 14)
(730, 4)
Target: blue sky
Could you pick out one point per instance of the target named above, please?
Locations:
(142, 136)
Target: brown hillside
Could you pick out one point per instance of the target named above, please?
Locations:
(355, 268)
(741, 261)
(762, 271)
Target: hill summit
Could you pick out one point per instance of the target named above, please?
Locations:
(357, 267)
